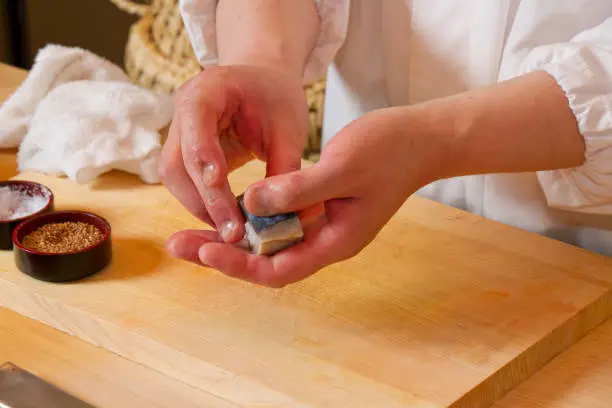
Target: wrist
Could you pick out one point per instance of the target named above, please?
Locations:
(424, 133)
(274, 34)
(279, 65)
(520, 125)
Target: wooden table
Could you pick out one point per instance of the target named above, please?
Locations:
(443, 309)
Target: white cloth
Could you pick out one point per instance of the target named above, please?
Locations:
(402, 52)
(78, 115)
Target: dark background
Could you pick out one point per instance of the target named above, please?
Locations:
(28, 25)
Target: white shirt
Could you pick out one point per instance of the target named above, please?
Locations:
(401, 52)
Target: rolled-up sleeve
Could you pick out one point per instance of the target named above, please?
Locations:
(583, 69)
(199, 17)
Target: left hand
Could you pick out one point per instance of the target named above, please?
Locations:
(363, 177)
(224, 117)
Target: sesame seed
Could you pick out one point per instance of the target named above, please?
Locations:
(63, 237)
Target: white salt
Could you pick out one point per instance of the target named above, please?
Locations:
(15, 202)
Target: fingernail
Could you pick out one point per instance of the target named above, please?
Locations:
(227, 229)
(210, 174)
(202, 257)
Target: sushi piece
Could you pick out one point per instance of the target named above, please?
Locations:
(268, 235)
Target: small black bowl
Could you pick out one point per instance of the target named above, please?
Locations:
(62, 267)
(8, 225)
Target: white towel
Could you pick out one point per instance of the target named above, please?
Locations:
(78, 115)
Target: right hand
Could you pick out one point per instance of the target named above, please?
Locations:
(365, 174)
(223, 118)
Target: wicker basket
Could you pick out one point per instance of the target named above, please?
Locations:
(159, 56)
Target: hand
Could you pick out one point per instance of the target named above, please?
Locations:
(364, 175)
(374, 164)
(224, 117)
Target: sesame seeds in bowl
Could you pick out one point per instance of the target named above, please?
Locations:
(63, 246)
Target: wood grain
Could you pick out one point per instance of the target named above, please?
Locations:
(95, 375)
(444, 309)
(580, 377)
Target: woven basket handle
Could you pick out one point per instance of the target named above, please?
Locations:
(132, 7)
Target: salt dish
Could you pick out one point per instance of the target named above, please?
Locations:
(19, 201)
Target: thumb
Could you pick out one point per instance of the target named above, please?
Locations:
(295, 191)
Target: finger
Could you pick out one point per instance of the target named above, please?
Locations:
(186, 244)
(324, 244)
(237, 263)
(311, 215)
(236, 155)
(282, 159)
(175, 177)
(205, 162)
(297, 190)
(283, 153)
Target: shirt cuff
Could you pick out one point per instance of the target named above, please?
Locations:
(199, 17)
(584, 72)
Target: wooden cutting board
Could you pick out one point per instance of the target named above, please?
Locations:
(92, 374)
(578, 378)
(443, 309)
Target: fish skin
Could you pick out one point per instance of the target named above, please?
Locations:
(259, 228)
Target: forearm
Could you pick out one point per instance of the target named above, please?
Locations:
(275, 33)
(524, 124)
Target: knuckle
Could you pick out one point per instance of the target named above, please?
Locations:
(292, 192)
(198, 156)
(198, 151)
(283, 201)
(187, 93)
(197, 87)
(213, 199)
